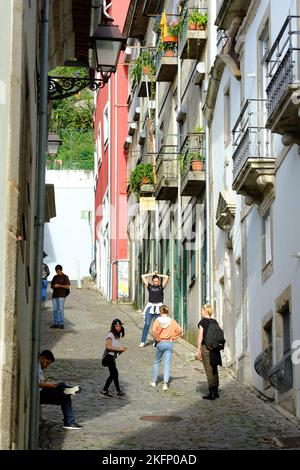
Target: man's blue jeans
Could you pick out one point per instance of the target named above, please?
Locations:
(58, 310)
(148, 319)
(55, 396)
(44, 289)
(163, 348)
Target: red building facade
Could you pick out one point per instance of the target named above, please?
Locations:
(111, 125)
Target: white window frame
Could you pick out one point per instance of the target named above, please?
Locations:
(266, 237)
(106, 125)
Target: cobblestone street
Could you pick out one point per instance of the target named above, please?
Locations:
(237, 420)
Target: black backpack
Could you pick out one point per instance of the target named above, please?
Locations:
(214, 338)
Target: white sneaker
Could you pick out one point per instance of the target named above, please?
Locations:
(153, 384)
(141, 345)
(165, 386)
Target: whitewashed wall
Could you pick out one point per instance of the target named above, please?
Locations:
(68, 236)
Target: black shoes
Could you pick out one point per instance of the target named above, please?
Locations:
(54, 326)
(73, 426)
(212, 394)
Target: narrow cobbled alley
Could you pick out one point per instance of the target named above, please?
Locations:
(148, 418)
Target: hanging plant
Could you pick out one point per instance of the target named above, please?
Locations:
(142, 174)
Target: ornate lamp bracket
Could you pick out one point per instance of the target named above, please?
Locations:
(63, 87)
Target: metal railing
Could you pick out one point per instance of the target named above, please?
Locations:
(283, 62)
(185, 18)
(167, 162)
(281, 374)
(263, 363)
(193, 144)
(222, 36)
(250, 137)
(164, 53)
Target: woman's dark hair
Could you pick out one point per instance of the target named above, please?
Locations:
(155, 277)
(113, 328)
(58, 266)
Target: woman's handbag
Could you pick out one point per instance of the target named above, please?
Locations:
(104, 361)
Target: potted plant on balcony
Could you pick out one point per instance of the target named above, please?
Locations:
(143, 64)
(173, 28)
(168, 49)
(142, 174)
(198, 20)
(196, 160)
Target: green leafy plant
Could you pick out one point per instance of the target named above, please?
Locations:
(143, 64)
(136, 176)
(174, 27)
(198, 18)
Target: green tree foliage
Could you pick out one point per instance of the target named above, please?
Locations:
(71, 118)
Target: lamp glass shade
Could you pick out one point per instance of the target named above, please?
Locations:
(53, 144)
(107, 54)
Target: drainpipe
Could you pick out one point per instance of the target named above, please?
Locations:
(208, 229)
(109, 264)
(179, 212)
(116, 177)
(42, 143)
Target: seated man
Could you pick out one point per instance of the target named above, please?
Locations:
(57, 394)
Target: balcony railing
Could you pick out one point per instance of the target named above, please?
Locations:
(250, 137)
(191, 42)
(166, 173)
(166, 64)
(263, 363)
(192, 181)
(281, 374)
(283, 65)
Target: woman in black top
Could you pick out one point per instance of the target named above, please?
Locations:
(156, 298)
(205, 355)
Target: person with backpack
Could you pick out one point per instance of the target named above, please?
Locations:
(210, 342)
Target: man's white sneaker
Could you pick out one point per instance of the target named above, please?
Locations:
(165, 386)
(141, 345)
(153, 384)
(72, 390)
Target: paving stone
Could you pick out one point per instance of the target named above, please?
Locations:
(237, 420)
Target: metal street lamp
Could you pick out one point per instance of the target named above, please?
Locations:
(106, 43)
(53, 144)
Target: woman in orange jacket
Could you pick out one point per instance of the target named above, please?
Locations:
(165, 331)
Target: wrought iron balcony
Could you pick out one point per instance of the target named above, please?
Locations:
(166, 173)
(263, 363)
(166, 64)
(191, 41)
(253, 164)
(281, 374)
(283, 90)
(193, 150)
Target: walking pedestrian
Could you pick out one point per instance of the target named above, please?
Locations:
(57, 393)
(165, 331)
(156, 298)
(210, 358)
(61, 288)
(112, 349)
(45, 274)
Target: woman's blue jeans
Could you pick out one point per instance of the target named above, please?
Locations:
(148, 319)
(163, 348)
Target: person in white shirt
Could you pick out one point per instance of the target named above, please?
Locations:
(57, 393)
